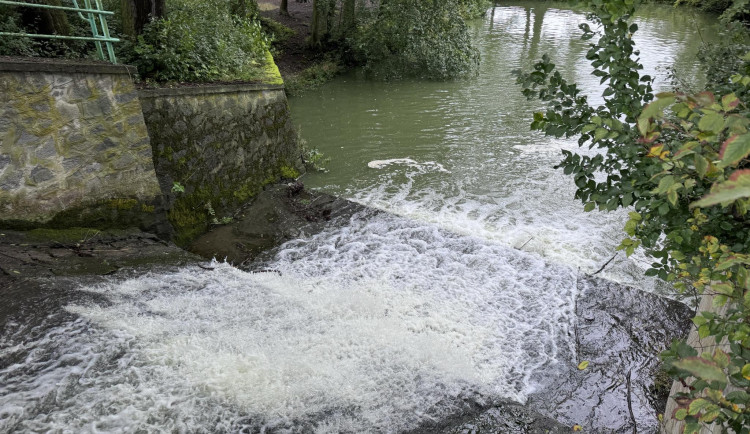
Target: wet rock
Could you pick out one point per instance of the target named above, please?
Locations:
(620, 331)
(278, 214)
(40, 174)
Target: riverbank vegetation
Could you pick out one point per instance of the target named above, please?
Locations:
(202, 41)
(681, 162)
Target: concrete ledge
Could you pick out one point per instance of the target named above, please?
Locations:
(44, 65)
(206, 89)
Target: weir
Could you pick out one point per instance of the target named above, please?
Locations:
(451, 296)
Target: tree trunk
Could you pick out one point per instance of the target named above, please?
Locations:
(348, 16)
(319, 25)
(48, 21)
(137, 13)
(284, 8)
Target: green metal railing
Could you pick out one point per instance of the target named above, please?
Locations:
(91, 11)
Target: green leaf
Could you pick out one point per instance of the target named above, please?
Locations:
(653, 110)
(589, 207)
(664, 184)
(738, 396)
(713, 122)
(722, 288)
(701, 165)
(702, 369)
(692, 428)
(719, 300)
(735, 149)
(736, 187)
(672, 197)
(703, 331)
(710, 415)
(680, 414)
(635, 216)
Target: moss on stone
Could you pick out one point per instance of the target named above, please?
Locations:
(289, 172)
(123, 204)
(69, 235)
(270, 73)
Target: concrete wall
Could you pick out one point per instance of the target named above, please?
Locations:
(222, 143)
(74, 149)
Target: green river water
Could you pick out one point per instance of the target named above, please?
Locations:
(460, 154)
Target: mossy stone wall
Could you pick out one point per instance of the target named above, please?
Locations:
(222, 143)
(74, 148)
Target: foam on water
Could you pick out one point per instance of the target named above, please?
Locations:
(424, 167)
(380, 325)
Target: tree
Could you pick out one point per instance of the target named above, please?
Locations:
(348, 16)
(284, 8)
(48, 21)
(137, 13)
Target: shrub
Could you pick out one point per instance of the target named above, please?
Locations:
(683, 163)
(420, 38)
(198, 42)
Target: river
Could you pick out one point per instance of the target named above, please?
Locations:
(464, 290)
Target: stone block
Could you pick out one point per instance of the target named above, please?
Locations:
(11, 180)
(106, 144)
(26, 139)
(40, 174)
(47, 149)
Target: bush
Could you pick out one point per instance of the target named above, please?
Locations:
(420, 38)
(683, 163)
(199, 42)
(471, 9)
(11, 21)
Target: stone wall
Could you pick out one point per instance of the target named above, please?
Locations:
(222, 143)
(74, 149)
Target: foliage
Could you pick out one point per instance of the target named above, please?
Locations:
(199, 41)
(724, 59)
(312, 158)
(278, 32)
(311, 77)
(470, 9)
(415, 38)
(730, 10)
(12, 21)
(682, 163)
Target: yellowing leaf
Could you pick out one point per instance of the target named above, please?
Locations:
(730, 101)
(736, 187)
(583, 365)
(734, 149)
(577, 428)
(746, 372)
(657, 152)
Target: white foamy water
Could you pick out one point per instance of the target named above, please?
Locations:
(424, 167)
(378, 326)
